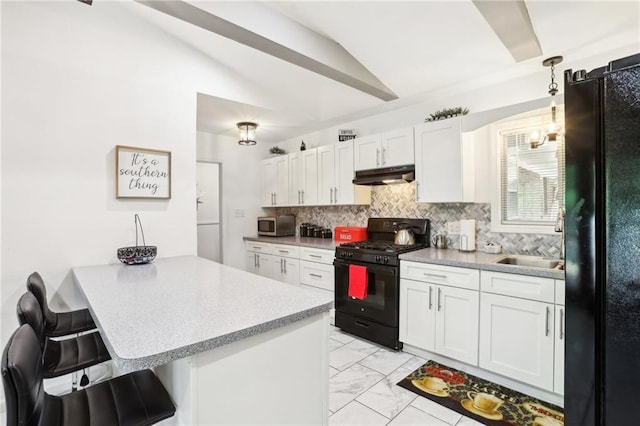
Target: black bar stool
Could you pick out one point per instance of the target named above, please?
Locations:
(61, 357)
(135, 399)
(58, 323)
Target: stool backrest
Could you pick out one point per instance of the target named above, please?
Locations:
(35, 285)
(29, 312)
(22, 377)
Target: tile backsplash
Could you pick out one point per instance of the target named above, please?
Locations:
(398, 201)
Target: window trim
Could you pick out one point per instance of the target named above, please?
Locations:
(495, 144)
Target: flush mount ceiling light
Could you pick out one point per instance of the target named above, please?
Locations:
(552, 130)
(247, 132)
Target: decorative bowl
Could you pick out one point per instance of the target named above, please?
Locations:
(137, 255)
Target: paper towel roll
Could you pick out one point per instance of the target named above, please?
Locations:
(468, 235)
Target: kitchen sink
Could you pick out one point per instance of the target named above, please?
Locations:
(531, 261)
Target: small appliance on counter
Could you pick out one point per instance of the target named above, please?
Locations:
(467, 235)
(282, 225)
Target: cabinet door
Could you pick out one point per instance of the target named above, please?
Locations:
(326, 174)
(439, 163)
(457, 324)
(264, 265)
(282, 180)
(295, 178)
(317, 275)
(251, 263)
(290, 271)
(268, 182)
(310, 177)
(367, 152)
(397, 148)
(417, 314)
(516, 339)
(558, 364)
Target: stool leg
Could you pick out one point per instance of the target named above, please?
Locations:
(74, 381)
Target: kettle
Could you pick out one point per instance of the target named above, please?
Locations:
(404, 236)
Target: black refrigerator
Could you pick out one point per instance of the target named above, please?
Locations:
(602, 267)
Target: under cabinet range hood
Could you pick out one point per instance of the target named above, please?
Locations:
(386, 176)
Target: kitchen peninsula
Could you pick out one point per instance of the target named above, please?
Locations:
(230, 347)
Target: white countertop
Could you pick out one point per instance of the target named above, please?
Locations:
(477, 260)
(178, 306)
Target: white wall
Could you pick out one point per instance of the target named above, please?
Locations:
(76, 81)
(241, 190)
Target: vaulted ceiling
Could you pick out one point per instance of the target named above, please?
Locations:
(313, 58)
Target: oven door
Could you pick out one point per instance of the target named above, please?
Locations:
(381, 303)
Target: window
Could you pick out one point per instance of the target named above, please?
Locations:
(531, 179)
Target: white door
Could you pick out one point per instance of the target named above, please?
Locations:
(208, 210)
(288, 270)
(417, 314)
(516, 339)
(457, 324)
(282, 180)
(439, 161)
(367, 152)
(344, 191)
(310, 177)
(269, 187)
(265, 265)
(326, 168)
(397, 147)
(295, 178)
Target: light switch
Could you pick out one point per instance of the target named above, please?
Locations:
(238, 213)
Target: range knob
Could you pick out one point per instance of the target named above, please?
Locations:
(350, 255)
(378, 259)
(386, 259)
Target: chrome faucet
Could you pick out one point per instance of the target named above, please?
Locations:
(560, 228)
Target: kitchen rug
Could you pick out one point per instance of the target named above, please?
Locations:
(484, 401)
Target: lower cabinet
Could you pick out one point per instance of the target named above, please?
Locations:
(517, 338)
(316, 268)
(558, 365)
(439, 318)
(259, 259)
(286, 264)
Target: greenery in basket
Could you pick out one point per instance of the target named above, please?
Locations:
(447, 113)
(277, 150)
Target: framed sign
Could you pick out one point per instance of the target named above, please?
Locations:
(142, 173)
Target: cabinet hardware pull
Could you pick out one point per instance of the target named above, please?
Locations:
(302, 192)
(330, 195)
(285, 265)
(281, 267)
(316, 256)
(258, 256)
(430, 291)
(384, 161)
(299, 202)
(255, 260)
(439, 305)
(335, 195)
(377, 157)
(444, 277)
(561, 324)
(361, 324)
(417, 191)
(546, 325)
(283, 251)
(275, 198)
(316, 275)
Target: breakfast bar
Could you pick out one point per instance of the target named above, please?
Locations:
(230, 347)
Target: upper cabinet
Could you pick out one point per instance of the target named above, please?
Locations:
(445, 163)
(335, 176)
(303, 178)
(275, 178)
(392, 148)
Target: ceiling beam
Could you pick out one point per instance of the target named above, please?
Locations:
(306, 49)
(511, 23)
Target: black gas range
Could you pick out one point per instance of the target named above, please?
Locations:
(375, 316)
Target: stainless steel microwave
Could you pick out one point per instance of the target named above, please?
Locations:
(277, 226)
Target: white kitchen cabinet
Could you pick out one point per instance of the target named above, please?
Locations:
(335, 176)
(558, 364)
(316, 268)
(392, 148)
(303, 178)
(259, 259)
(286, 263)
(275, 178)
(436, 317)
(445, 163)
(517, 338)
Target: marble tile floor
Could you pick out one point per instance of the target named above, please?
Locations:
(363, 391)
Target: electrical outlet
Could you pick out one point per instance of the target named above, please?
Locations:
(453, 227)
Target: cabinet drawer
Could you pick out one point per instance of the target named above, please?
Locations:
(317, 255)
(286, 251)
(524, 286)
(317, 275)
(559, 292)
(259, 247)
(439, 274)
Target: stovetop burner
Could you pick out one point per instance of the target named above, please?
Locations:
(385, 246)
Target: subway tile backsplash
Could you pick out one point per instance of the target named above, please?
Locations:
(398, 201)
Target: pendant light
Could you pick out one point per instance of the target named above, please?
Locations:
(552, 130)
(247, 132)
